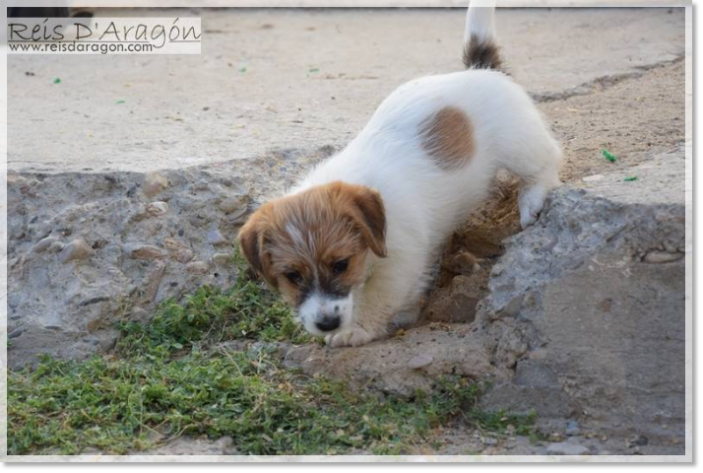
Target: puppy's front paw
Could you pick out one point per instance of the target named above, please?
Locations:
(530, 203)
(351, 337)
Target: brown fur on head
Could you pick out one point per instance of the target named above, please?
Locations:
(316, 240)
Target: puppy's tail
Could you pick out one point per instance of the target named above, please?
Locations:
(480, 49)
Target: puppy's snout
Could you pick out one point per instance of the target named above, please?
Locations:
(328, 323)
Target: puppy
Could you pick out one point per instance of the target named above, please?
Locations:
(351, 246)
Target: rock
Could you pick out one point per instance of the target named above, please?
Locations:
(143, 252)
(660, 257)
(567, 448)
(77, 249)
(420, 361)
(178, 251)
(56, 247)
(195, 446)
(153, 281)
(222, 259)
(44, 244)
(183, 255)
(154, 183)
(131, 263)
(15, 333)
(572, 428)
(234, 204)
(198, 267)
(637, 441)
(606, 326)
(383, 365)
(238, 217)
(156, 209)
(215, 238)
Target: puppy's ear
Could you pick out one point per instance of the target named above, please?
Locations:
(373, 219)
(252, 239)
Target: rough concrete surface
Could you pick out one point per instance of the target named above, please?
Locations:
(115, 206)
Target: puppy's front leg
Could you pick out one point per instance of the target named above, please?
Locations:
(369, 325)
(353, 336)
(384, 297)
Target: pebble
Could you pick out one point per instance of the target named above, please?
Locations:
(596, 177)
(638, 441)
(56, 247)
(154, 183)
(420, 361)
(221, 259)
(15, 333)
(198, 267)
(183, 255)
(153, 281)
(215, 238)
(238, 217)
(44, 244)
(566, 448)
(78, 249)
(490, 441)
(198, 220)
(659, 257)
(139, 315)
(157, 209)
(572, 428)
(178, 251)
(232, 204)
(143, 252)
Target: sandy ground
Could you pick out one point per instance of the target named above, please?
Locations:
(301, 79)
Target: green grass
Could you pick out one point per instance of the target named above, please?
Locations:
(247, 311)
(118, 406)
(171, 378)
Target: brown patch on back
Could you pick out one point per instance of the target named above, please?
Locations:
(448, 138)
(309, 232)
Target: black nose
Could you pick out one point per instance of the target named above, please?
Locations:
(328, 323)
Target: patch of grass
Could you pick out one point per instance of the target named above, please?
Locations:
(502, 422)
(210, 315)
(119, 406)
(167, 378)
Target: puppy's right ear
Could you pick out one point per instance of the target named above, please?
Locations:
(251, 241)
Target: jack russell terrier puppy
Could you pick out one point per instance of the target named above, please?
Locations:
(351, 247)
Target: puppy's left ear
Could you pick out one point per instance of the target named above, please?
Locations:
(373, 224)
(252, 240)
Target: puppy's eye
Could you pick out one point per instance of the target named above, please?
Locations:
(340, 266)
(294, 277)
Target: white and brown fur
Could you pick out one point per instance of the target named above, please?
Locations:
(351, 246)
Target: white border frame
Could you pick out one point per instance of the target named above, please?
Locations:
(689, 195)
